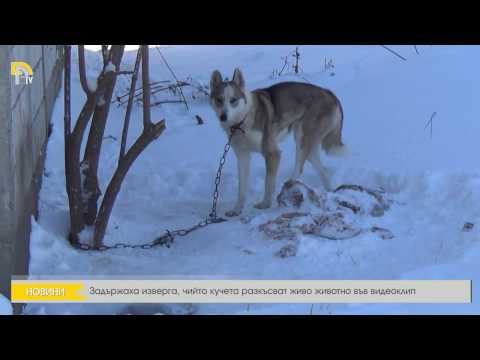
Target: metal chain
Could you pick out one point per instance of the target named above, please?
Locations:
(167, 239)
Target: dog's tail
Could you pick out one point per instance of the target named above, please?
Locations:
(332, 143)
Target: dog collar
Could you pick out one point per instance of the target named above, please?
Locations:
(238, 126)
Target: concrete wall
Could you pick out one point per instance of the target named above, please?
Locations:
(25, 112)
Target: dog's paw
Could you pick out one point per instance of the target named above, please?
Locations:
(263, 205)
(233, 213)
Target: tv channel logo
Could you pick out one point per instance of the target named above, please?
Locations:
(22, 72)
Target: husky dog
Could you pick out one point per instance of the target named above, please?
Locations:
(265, 116)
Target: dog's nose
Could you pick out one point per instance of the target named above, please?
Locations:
(223, 117)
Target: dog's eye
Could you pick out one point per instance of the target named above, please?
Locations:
(233, 101)
(219, 101)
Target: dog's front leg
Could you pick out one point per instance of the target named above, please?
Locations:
(243, 164)
(272, 161)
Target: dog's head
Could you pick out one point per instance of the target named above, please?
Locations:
(228, 98)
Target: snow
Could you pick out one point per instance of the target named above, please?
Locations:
(101, 101)
(92, 84)
(432, 179)
(5, 306)
(127, 47)
(109, 67)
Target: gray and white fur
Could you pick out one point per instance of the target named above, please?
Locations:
(266, 116)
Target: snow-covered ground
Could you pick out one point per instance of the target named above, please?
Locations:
(431, 174)
(5, 306)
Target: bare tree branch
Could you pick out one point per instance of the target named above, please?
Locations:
(124, 72)
(105, 54)
(296, 56)
(83, 197)
(73, 143)
(285, 64)
(82, 70)
(147, 136)
(138, 92)
(72, 186)
(173, 74)
(166, 102)
(95, 137)
(158, 88)
(393, 52)
(147, 121)
(430, 123)
(129, 106)
(67, 64)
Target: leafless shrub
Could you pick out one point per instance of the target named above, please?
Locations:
(81, 177)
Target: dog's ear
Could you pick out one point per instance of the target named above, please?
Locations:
(215, 80)
(238, 78)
